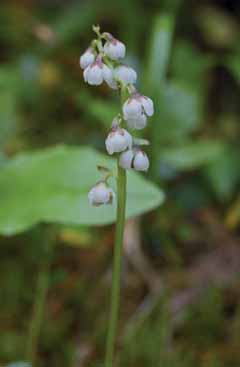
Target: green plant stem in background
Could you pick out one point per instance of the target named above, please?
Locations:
(40, 301)
(115, 296)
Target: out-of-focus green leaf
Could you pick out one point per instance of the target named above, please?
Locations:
(233, 63)
(99, 109)
(159, 51)
(52, 186)
(179, 112)
(224, 173)
(75, 19)
(155, 75)
(197, 63)
(19, 364)
(193, 154)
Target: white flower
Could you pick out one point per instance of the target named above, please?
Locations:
(118, 140)
(134, 158)
(108, 76)
(126, 158)
(87, 58)
(125, 74)
(113, 48)
(98, 72)
(141, 161)
(137, 123)
(100, 194)
(136, 109)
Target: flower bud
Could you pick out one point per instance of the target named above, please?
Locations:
(118, 140)
(125, 74)
(87, 58)
(133, 158)
(101, 194)
(113, 48)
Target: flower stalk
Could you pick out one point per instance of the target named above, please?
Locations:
(115, 293)
(101, 63)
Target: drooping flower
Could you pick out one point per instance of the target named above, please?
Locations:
(87, 58)
(125, 74)
(134, 158)
(137, 123)
(97, 72)
(101, 194)
(118, 140)
(113, 48)
(136, 109)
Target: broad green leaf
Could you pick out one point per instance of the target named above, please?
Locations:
(52, 186)
(192, 155)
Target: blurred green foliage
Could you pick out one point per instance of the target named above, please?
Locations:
(187, 56)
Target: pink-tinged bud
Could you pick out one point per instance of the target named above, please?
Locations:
(118, 140)
(101, 194)
(125, 74)
(87, 58)
(114, 49)
(136, 109)
(133, 158)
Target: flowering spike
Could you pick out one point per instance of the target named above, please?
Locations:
(101, 63)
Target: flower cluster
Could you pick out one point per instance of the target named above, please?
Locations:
(101, 62)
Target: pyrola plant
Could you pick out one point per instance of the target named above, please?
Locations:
(102, 63)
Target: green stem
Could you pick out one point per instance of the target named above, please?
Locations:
(39, 302)
(115, 295)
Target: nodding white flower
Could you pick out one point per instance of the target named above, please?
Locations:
(113, 48)
(87, 58)
(134, 158)
(97, 72)
(125, 74)
(141, 161)
(126, 159)
(137, 123)
(108, 76)
(136, 109)
(118, 140)
(101, 194)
